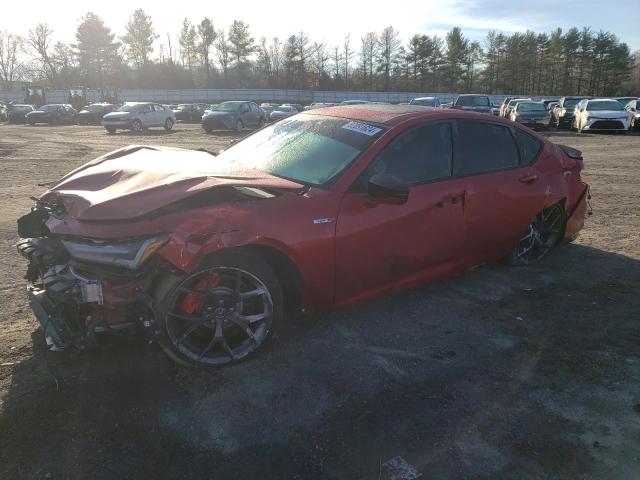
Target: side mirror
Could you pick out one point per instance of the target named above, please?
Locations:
(385, 188)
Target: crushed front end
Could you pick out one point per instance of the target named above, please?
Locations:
(80, 286)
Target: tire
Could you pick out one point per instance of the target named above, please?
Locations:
(545, 232)
(168, 124)
(203, 321)
(208, 130)
(238, 126)
(136, 126)
(110, 130)
(260, 123)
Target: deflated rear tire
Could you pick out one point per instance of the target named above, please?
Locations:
(545, 231)
(223, 313)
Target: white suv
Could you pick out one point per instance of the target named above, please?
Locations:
(136, 116)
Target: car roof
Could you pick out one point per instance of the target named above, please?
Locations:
(388, 114)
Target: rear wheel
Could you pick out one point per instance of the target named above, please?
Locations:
(221, 314)
(238, 126)
(168, 124)
(544, 233)
(110, 130)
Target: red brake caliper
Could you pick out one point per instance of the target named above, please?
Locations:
(191, 302)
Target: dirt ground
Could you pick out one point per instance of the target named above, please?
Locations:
(503, 372)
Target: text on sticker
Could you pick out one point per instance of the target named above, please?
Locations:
(362, 128)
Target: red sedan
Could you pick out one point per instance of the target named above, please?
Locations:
(320, 210)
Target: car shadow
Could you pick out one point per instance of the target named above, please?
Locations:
(146, 133)
(499, 363)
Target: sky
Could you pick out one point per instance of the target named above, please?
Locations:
(331, 20)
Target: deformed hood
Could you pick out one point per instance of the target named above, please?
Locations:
(137, 180)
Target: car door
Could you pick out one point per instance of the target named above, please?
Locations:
(502, 191)
(147, 116)
(382, 246)
(245, 115)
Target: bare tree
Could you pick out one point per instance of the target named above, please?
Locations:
(348, 55)
(39, 39)
(388, 53)
(10, 62)
(223, 52)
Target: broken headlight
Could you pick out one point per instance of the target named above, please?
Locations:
(128, 253)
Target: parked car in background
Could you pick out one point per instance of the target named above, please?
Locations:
(547, 103)
(16, 113)
(283, 111)
(563, 113)
(551, 105)
(189, 112)
(633, 114)
(296, 106)
(269, 107)
(532, 114)
(136, 116)
(92, 114)
(512, 103)
(319, 211)
(601, 114)
(234, 115)
(53, 114)
(473, 103)
(354, 102)
(624, 100)
(503, 107)
(426, 102)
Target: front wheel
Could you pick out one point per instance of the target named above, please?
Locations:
(136, 126)
(545, 232)
(238, 126)
(168, 124)
(221, 314)
(110, 130)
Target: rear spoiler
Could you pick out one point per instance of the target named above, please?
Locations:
(571, 152)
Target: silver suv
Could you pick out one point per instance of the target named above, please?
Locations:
(136, 116)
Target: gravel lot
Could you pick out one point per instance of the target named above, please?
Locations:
(503, 372)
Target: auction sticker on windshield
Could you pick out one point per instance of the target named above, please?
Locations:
(363, 128)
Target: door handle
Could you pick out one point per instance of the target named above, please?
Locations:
(530, 178)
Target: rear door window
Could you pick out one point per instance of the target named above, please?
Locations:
(483, 147)
(422, 154)
(529, 147)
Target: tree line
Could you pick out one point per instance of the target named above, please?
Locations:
(204, 55)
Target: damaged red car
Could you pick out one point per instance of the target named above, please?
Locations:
(207, 252)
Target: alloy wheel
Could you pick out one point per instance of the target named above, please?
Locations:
(219, 315)
(544, 233)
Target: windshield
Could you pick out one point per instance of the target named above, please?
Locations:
(531, 107)
(227, 107)
(427, 102)
(133, 108)
(309, 149)
(49, 108)
(284, 109)
(571, 102)
(96, 108)
(472, 101)
(604, 105)
(184, 106)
